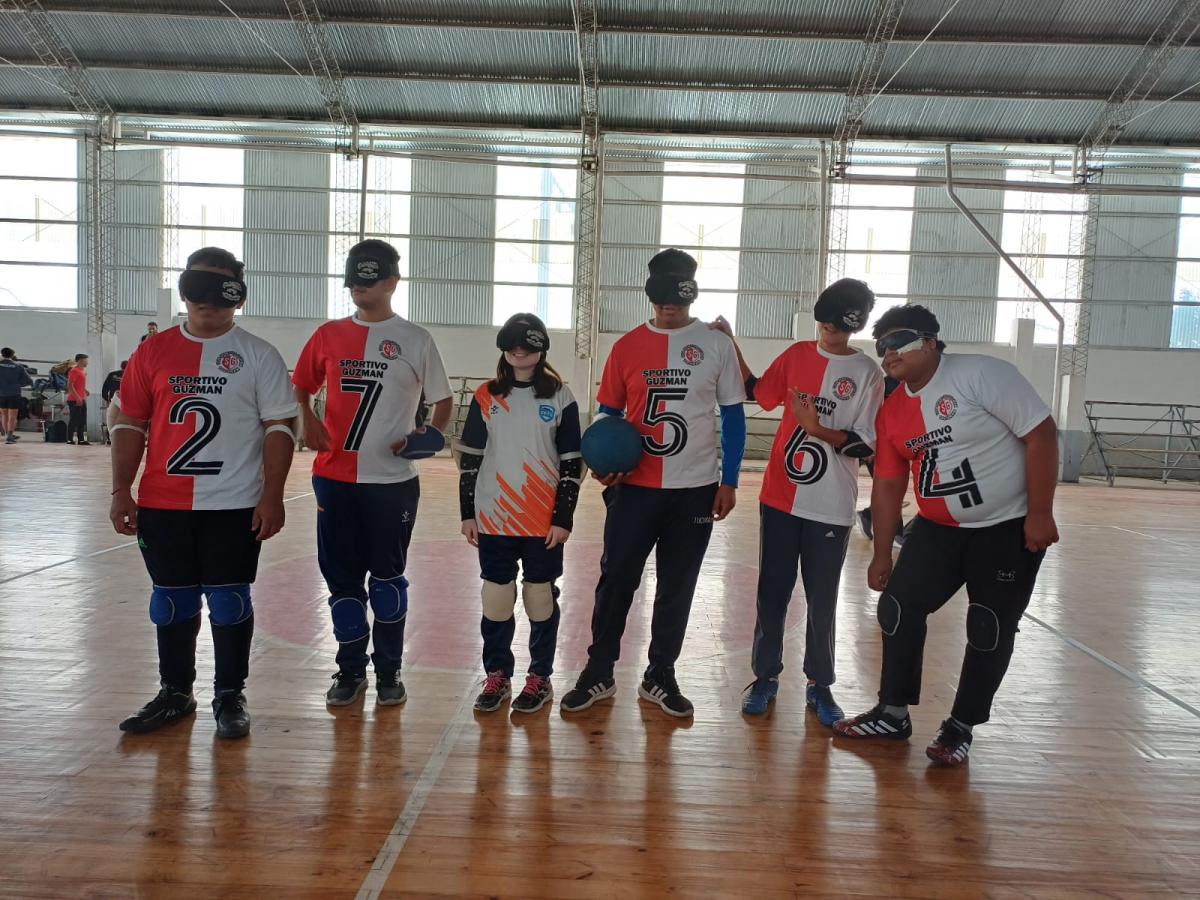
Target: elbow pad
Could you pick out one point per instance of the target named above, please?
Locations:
(570, 474)
(855, 447)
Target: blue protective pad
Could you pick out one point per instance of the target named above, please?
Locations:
(229, 604)
(389, 598)
(349, 616)
(169, 606)
(423, 444)
(733, 442)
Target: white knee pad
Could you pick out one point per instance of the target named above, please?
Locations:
(539, 600)
(499, 600)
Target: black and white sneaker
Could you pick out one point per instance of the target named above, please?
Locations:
(536, 694)
(864, 523)
(875, 723)
(346, 688)
(951, 746)
(497, 688)
(664, 690)
(233, 719)
(588, 690)
(168, 707)
(389, 689)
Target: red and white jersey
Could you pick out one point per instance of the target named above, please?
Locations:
(961, 435)
(206, 400)
(374, 374)
(670, 382)
(807, 477)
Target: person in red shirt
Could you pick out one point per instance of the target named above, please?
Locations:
(219, 410)
(77, 394)
(983, 451)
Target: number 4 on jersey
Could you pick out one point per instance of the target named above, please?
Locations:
(964, 486)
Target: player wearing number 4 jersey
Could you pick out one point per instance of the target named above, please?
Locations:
(376, 369)
(667, 376)
(830, 393)
(983, 451)
(220, 411)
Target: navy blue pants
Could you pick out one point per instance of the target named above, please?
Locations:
(819, 549)
(365, 529)
(498, 559)
(674, 522)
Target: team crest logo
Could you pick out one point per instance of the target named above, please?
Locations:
(852, 318)
(389, 349)
(945, 407)
(231, 292)
(367, 269)
(535, 339)
(692, 355)
(844, 388)
(546, 412)
(686, 290)
(230, 361)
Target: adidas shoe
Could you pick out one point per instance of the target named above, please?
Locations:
(951, 746)
(169, 706)
(497, 688)
(588, 690)
(820, 700)
(389, 689)
(536, 694)
(233, 719)
(661, 688)
(346, 688)
(864, 524)
(875, 723)
(759, 695)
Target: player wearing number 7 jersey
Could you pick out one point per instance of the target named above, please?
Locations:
(376, 369)
(219, 410)
(668, 375)
(830, 394)
(983, 451)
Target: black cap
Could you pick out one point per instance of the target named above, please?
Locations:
(672, 278)
(845, 304)
(524, 330)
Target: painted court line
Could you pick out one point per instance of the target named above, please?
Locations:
(1116, 667)
(385, 861)
(63, 562)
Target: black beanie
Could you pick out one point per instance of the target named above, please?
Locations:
(672, 278)
(845, 304)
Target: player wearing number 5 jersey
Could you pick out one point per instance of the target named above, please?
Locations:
(982, 448)
(219, 410)
(376, 369)
(830, 394)
(668, 376)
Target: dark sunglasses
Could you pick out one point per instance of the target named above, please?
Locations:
(900, 341)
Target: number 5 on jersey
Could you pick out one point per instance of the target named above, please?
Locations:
(675, 432)
(370, 390)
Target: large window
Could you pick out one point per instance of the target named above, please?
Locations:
(712, 234)
(535, 253)
(1185, 323)
(879, 237)
(39, 240)
(387, 217)
(1037, 229)
(202, 205)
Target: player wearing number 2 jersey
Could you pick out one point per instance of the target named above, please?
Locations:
(219, 410)
(982, 448)
(375, 367)
(830, 393)
(667, 376)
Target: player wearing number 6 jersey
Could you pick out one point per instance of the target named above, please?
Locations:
(668, 376)
(219, 410)
(983, 451)
(376, 369)
(830, 394)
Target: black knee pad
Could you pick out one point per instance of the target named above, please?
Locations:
(888, 614)
(983, 628)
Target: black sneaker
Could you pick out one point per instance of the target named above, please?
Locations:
(875, 723)
(664, 690)
(864, 524)
(389, 689)
(536, 694)
(588, 690)
(168, 707)
(951, 746)
(233, 719)
(347, 687)
(497, 688)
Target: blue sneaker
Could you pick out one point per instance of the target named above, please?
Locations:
(758, 696)
(820, 700)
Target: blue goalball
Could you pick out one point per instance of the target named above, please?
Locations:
(611, 445)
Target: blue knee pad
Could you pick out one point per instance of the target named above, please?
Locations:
(229, 604)
(349, 616)
(389, 598)
(169, 606)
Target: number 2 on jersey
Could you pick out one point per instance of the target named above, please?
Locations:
(370, 390)
(208, 422)
(675, 432)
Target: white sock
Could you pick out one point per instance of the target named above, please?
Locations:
(898, 711)
(963, 725)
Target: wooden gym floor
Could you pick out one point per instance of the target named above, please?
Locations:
(1085, 782)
